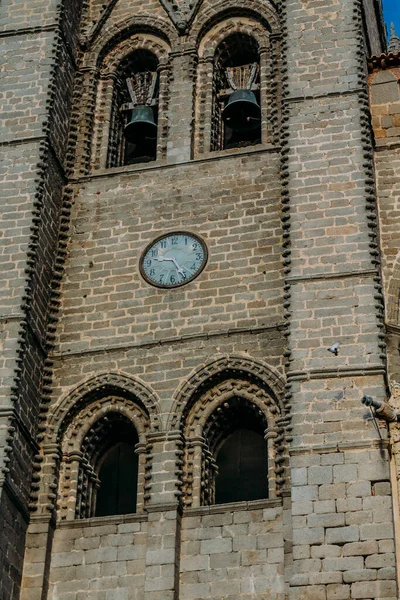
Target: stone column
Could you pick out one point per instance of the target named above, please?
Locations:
(101, 134)
(204, 105)
(38, 544)
(164, 509)
(180, 110)
(265, 93)
(164, 73)
(88, 81)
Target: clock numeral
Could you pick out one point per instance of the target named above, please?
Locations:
(148, 262)
(184, 276)
(174, 240)
(161, 277)
(152, 272)
(172, 279)
(199, 255)
(186, 241)
(154, 252)
(195, 246)
(193, 267)
(163, 244)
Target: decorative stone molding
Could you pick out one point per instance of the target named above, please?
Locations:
(241, 24)
(78, 480)
(208, 417)
(259, 10)
(231, 365)
(114, 34)
(97, 387)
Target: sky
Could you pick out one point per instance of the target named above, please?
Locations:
(391, 11)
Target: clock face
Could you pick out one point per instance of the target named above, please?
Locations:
(173, 259)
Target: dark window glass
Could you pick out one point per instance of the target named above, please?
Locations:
(242, 468)
(118, 481)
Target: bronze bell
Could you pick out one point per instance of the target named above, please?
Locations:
(142, 126)
(242, 113)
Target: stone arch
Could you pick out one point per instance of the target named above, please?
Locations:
(139, 41)
(209, 37)
(233, 24)
(222, 392)
(90, 414)
(213, 416)
(230, 366)
(78, 479)
(259, 10)
(116, 33)
(105, 59)
(95, 388)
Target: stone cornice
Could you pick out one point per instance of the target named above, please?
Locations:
(384, 61)
(172, 340)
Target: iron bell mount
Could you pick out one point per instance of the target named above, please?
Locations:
(141, 126)
(242, 112)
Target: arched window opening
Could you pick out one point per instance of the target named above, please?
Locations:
(235, 456)
(242, 468)
(236, 108)
(134, 115)
(107, 481)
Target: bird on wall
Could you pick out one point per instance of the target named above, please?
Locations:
(334, 349)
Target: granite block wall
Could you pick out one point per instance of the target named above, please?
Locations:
(291, 227)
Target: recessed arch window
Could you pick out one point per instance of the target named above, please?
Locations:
(134, 111)
(236, 120)
(108, 473)
(235, 446)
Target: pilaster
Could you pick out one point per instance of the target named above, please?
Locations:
(340, 470)
(180, 113)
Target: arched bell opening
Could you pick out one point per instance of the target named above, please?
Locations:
(108, 472)
(134, 118)
(236, 108)
(235, 454)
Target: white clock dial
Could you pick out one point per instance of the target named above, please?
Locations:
(173, 259)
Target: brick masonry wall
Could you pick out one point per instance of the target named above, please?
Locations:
(31, 163)
(233, 553)
(331, 535)
(328, 181)
(102, 560)
(385, 108)
(166, 370)
(231, 203)
(225, 553)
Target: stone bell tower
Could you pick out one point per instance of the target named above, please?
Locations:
(190, 222)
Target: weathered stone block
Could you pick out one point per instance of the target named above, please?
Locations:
(340, 535)
(374, 589)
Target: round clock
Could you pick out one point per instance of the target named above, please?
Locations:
(173, 259)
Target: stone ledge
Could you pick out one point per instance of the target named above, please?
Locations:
(162, 164)
(340, 447)
(173, 340)
(29, 30)
(385, 144)
(99, 521)
(323, 276)
(232, 507)
(361, 371)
